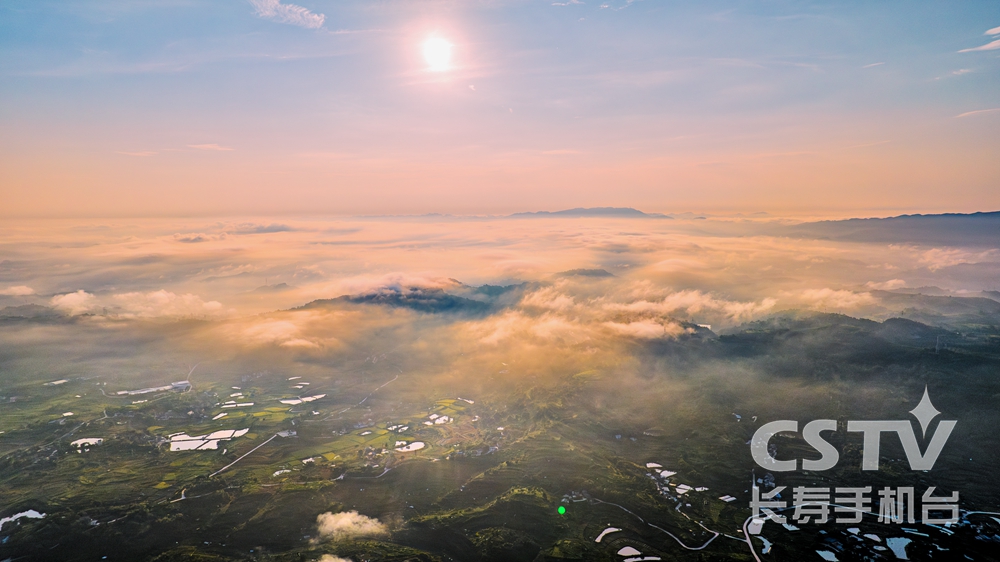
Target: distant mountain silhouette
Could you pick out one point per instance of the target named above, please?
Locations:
(414, 298)
(941, 310)
(624, 212)
(277, 288)
(585, 273)
(822, 345)
(469, 300)
(995, 295)
(30, 311)
(950, 229)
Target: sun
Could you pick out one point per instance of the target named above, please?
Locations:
(437, 53)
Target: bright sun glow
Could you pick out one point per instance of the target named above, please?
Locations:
(437, 53)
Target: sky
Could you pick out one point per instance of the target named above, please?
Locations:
(266, 107)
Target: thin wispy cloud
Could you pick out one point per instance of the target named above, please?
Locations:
(211, 146)
(991, 46)
(617, 5)
(567, 3)
(873, 64)
(994, 31)
(291, 14)
(978, 112)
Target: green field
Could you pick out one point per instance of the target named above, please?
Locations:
(487, 484)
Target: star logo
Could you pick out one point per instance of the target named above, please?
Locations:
(925, 412)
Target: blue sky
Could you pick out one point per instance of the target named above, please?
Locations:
(218, 106)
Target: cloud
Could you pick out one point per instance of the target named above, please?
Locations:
(17, 291)
(192, 238)
(567, 3)
(252, 228)
(549, 298)
(694, 302)
(348, 525)
(873, 64)
(886, 285)
(391, 283)
(278, 331)
(939, 258)
(574, 313)
(74, 303)
(288, 13)
(617, 4)
(299, 330)
(978, 112)
(663, 275)
(211, 146)
(994, 31)
(550, 327)
(672, 265)
(299, 342)
(163, 303)
(647, 329)
(991, 46)
(137, 305)
(515, 325)
(830, 299)
(500, 328)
